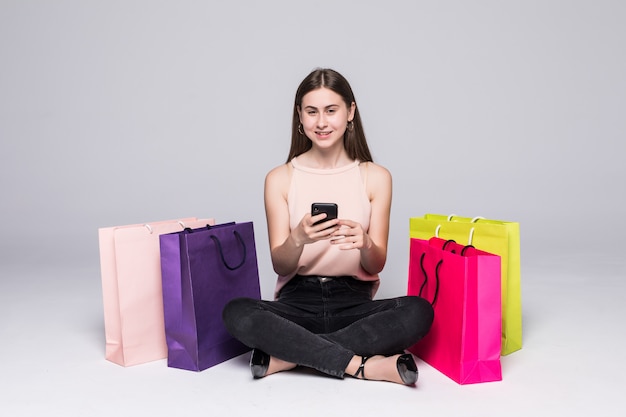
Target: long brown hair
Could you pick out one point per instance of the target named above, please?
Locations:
(353, 139)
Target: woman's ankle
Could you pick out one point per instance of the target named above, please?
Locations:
(375, 368)
(279, 365)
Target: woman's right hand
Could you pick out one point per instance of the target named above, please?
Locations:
(308, 232)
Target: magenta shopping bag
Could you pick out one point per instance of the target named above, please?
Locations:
(463, 283)
(203, 269)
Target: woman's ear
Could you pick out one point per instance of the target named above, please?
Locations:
(351, 112)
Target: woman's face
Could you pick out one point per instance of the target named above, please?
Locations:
(324, 117)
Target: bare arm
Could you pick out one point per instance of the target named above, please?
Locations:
(374, 251)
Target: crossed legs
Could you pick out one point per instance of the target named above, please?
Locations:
(333, 341)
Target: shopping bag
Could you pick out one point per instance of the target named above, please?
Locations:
(203, 269)
(463, 284)
(131, 289)
(494, 236)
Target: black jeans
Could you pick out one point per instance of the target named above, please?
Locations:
(322, 323)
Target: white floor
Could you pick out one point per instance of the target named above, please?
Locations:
(52, 358)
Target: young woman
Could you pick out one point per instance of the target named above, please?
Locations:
(324, 315)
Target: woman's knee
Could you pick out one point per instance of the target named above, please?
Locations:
(237, 314)
(421, 313)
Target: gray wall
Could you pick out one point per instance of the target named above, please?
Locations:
(118, 112)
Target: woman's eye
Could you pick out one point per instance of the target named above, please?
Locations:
(311, 112)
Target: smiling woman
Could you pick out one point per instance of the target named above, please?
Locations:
(324, 316)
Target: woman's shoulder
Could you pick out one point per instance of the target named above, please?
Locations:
(280, 174)
(375, 171)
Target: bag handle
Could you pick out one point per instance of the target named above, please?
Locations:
(221, 251)
(470, 239)
(426, 278)
(474, 220)
(465, 248)
(447, 243)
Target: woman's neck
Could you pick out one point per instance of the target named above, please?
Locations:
(327, 159)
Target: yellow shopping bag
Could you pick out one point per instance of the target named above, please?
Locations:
(493, 236)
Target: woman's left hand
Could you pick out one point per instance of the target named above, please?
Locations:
(350, 236)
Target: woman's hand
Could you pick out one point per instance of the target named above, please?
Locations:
(308, 232)
(350, 235)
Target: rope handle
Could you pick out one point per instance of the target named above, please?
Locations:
(471, 233)
(221, 251)
(426, 278)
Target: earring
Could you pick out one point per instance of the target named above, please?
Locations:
(350, 126)
(300, 129)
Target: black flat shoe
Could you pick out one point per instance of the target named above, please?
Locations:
(407, 369)
(259, 362)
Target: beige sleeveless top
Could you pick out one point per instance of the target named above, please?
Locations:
(344, 186)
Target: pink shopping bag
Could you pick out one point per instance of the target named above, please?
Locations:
(463, 284)
(130, 267)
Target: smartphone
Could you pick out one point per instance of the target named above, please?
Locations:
(329, 208)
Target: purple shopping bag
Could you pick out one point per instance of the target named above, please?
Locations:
(202, 270)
